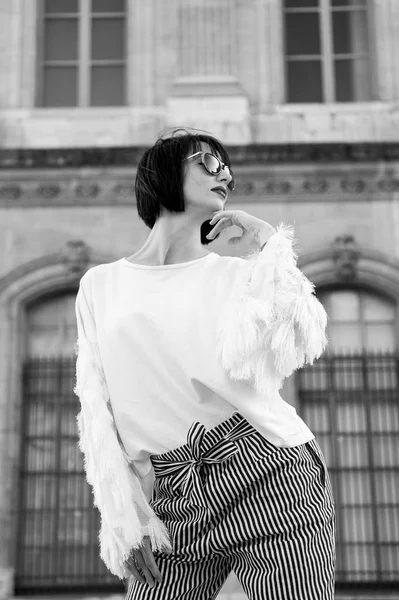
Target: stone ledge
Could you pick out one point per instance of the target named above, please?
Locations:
(207, 85)
(245, 154)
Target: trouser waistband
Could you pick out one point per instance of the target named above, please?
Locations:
(202, 448)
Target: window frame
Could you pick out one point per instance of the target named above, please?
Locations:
(84, 62)
(362, 292)
(327, 56)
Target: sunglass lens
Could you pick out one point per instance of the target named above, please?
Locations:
(213, 166)
(212, 163)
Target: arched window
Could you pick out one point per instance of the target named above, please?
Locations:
(350, 400)
(57, 546)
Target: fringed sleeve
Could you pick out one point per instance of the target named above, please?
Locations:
(275, 324)
(126, 515)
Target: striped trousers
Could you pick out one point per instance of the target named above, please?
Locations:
(232, 501)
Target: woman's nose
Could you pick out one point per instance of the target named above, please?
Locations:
(224, 175)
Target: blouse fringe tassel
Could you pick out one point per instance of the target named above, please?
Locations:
(278, 324)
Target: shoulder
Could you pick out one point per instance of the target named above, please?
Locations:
(97, 275)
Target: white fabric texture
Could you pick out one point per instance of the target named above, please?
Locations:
(277, 324)
(160, 347)
(125, 513)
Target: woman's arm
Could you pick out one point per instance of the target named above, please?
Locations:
(126, 516)
(277, 324)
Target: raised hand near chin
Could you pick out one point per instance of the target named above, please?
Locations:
(256, 228)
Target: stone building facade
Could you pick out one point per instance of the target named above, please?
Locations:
(306, 97)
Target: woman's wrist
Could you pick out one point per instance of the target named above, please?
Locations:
(264, 235)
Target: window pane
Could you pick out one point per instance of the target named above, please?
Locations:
(345, 336)
(355, 487)
(41, 455)
(315, 378)
(304, 82)
(351, 418)
(302, 33)
(108, 5)
(358, 524)
(350, 32)
(387, 486)
(380, 336)
(388, 527)
(61, 6)
(381, 373)
(385, 417)
(61, 39)
(107, 86)
(353, 451)
(60, 86)
(347, 374)
(385, 450)
(352, 3)
(343, 306)
(317, 417)
(378, 309)
(300, 3)
(352, 80)
(108, 39)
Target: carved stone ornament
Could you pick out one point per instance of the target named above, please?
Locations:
(388, 185)
(76, 258)
(48, 190)
(353, 186)
(10, 192)
(346, 253)
(87, 190)
(315, 186)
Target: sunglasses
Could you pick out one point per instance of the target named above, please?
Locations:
(213, 165)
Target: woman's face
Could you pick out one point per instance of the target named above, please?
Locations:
(199, 185)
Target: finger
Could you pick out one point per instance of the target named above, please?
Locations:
(150, 563)
(223, 223)
(134, 571)
(153, 568)
(220, 215)
(148, 575)
(236, 240)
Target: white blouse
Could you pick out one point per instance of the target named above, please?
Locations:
(160, 347)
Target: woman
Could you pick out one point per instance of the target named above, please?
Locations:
(197, 464)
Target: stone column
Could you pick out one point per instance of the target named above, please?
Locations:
(141, 52)
(207, 30)
(384, 43)
(270, 91)
(270, 50)
(10, 52)
(206, 92)
(30, 30)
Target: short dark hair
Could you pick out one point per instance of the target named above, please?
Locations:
(159, 178)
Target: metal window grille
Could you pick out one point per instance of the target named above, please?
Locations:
(351, 403)
(327, 56)
(82, 53)
(57, 545)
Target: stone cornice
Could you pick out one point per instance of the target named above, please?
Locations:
(265, 154)
(282, 183)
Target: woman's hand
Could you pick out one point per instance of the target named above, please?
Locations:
(249, 224)
(142, 558)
